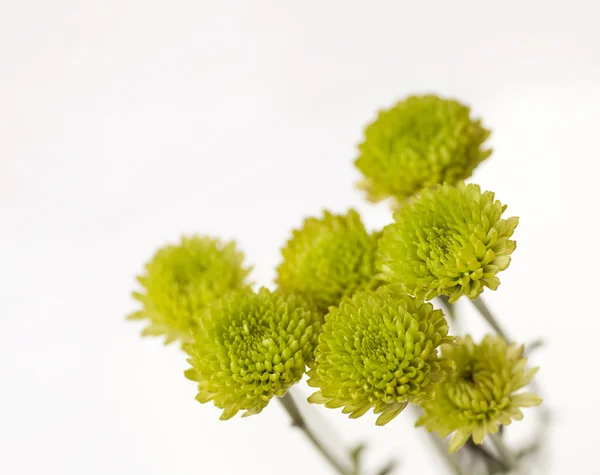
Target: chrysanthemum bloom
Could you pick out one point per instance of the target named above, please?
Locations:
(251, 347)
(379, 350)
(450, 241)
(182, 279)
(420, 142)
(328, 258)
(480, 395)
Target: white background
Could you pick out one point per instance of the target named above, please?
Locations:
(124, 124)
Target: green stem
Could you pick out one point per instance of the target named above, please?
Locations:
(488, 317)
(503, 451)
(450, 312)
(298, 421)
(448, 307)
(443, 451)
(490, 460)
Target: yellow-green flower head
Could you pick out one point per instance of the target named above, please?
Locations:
(420, 142)
(328, 258)
(182, 279)
(379, 350)
(450, 241)
(480, 395)
(251, 347)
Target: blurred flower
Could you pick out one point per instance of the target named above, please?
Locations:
(480, 394)
(420, 142)
(328, 258)
(181, 280)
(252, 346)
(379, 350)
(448, 240)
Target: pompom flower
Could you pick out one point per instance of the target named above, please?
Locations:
(182, 279)
(480, 395)
(328, 258)
(420, 142)
(379, 350)
(450, 241)
(251, 347)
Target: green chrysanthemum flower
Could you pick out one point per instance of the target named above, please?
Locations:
(328, 258)
(181, 280)
(420, 142)
(379, 350)
(449, 241)
(251, 347)
(480, 394)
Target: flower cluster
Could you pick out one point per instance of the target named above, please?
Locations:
(251, 347)
(481, 394)
(447, 241)
(379, 350)
(418, 143)
(352, 305)
(181, 280)
(328, 258)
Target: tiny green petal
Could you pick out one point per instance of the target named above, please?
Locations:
(527, 377)
(479, 432)
(526, 400)
(388, 415)
(458, 440)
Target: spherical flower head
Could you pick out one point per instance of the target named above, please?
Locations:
(450, 241)
(328, 258)
(182, 279)
(480, 394)
(251, 347)
(379, 350)
(420, 142)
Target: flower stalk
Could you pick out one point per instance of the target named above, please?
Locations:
(442, 450)
(299, 422)
(489, 317)
(504, 452)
